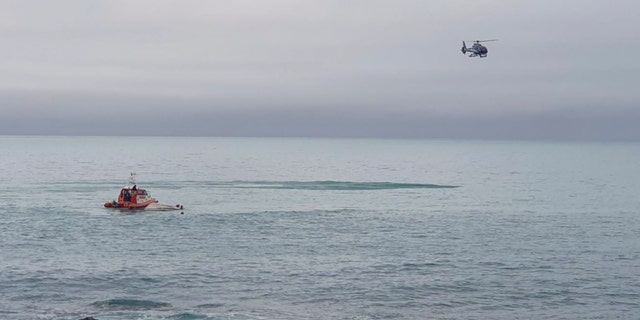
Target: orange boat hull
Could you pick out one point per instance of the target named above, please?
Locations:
(129, 205)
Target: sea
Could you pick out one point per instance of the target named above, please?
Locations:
(302, 228)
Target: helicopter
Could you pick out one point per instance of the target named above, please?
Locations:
(477, 50)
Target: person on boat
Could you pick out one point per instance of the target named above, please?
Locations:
(134, 196)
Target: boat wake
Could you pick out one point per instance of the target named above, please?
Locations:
(330, 185)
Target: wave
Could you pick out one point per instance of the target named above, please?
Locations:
(188, 316)
(330, 185)
(130, 304)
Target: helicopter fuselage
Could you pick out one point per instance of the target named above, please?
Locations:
(479, 50)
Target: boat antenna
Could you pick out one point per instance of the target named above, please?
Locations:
(132, 178)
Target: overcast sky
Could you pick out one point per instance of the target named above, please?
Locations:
(561, 69)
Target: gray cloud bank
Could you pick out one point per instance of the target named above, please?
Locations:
(113, 116)
(320, 68)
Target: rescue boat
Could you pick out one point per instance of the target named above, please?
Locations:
(132, 197)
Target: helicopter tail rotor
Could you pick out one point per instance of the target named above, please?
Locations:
(464, 48)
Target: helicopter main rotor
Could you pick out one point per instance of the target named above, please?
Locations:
(478, 41)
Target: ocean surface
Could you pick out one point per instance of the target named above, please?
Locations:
(319, 229)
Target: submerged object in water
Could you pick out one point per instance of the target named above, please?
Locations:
(163, 207)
